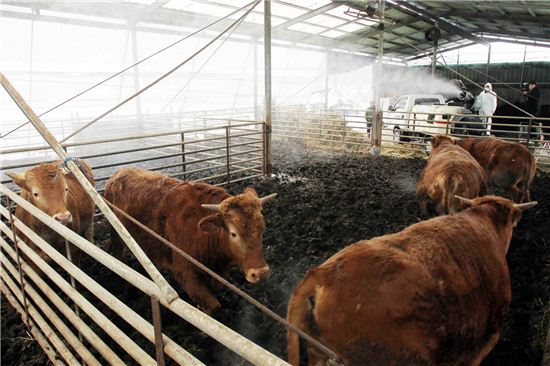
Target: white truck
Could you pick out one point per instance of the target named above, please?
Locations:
(417, 117)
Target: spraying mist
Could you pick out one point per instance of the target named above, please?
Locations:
(400, 81)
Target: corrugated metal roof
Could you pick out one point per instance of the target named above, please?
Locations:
(350, 25)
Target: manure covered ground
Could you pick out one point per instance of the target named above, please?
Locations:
(325, 202)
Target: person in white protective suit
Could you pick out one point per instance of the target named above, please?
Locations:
(486, 104)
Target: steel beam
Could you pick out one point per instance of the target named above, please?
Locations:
(306, 16)
(407, 8)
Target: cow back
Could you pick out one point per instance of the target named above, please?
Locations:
(169, 207)
(426, 295)
(450, 171)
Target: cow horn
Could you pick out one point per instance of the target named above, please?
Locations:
(211, 207)
(464, 200)
(525, 206)
(267, 198)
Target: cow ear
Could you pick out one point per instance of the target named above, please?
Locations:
(18, 178)
(211, 224)
(515, 216)
(250, 191)
(436, 140)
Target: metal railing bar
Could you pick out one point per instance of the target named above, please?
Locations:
(239, 179)
(218, 331)
(40, 321)
(69, 313)
(71, 338)
(35, 331)
(98, 317)
(130, 316)
(128, 138)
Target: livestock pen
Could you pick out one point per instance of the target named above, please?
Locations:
(320, 157)
(375, 195)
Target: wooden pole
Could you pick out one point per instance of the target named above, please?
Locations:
(165, 288)
(267, 80)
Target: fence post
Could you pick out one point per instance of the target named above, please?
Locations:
(227, 153)
(183, 154)
(27, 320)
(529, 132)
(73, 284)
(157, 326)
(344, 132)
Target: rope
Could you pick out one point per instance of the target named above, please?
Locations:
(256, 2)
(200, 68)
(129, 67)
(232, 287)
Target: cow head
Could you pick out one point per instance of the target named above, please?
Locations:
(503, 212)
(241, 223)
(45, 187)
(438, 140)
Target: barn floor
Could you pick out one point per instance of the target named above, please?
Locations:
(326, 201)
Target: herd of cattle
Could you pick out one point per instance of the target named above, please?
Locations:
(434, 293)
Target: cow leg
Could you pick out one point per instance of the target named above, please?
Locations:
(515, 193)
(116, 246)
(484, 351)
(89, 235)
(315, 358)
(525, 194)
(423, 208)
(75, 254)
(198, 291)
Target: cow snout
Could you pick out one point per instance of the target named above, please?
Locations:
(253, 275)
(63, 217)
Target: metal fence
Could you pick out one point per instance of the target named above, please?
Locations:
(223, 151)
(54, 309)
(407, 132)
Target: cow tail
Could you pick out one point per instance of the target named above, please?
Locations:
(299, 314)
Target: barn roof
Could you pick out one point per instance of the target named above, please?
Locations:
(339, 25)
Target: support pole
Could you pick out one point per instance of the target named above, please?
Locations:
(267, 62)
(30, 58)
(157, 327)
(458, 61)
(153, 272)
(434, 59)
(26, 318)
(326, 81)
(523, 67)
(488, 63)
(256, 109)
(377, 123)
(136, 74)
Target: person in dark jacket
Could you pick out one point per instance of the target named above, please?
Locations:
(533, 105)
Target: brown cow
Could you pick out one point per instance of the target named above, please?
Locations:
(450, 171)
(433, 294)
(181, 212)
(59, 194)
(508, 165)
